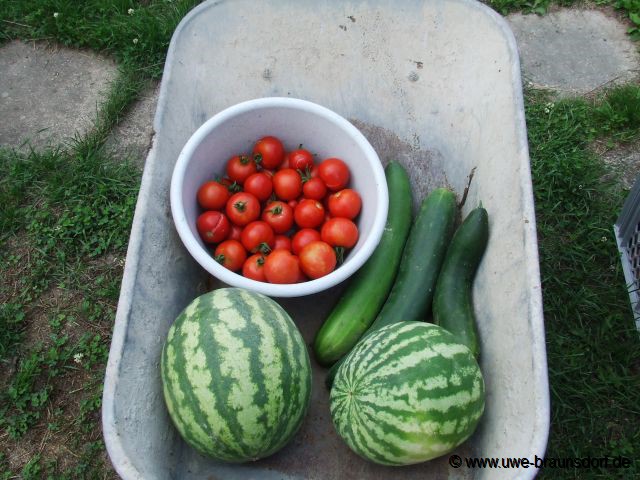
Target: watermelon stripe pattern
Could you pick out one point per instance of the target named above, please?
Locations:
(407, 393)
(236, 375)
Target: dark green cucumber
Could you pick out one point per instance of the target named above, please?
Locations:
(452, 303)
(412, 293)
(369, 287)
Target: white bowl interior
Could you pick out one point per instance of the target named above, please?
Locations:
(322, 132)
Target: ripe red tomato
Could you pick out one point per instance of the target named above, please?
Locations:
(301, 159)
(281, 266)
(260, 185)
(243, 208)
(339, 232)
(230, 254)
(302, 238)
(240, 167)
(269, 152)
(345, 203)
(282, 242)
(234, 232)
(313, 173)
(302, 277)
(335, 173)
(287, 184)
(279, 216)
(314, 188)
(213, 226)
(309, 213)
(317, 259)
(212, 195)
(285, 162)
(253, 267)
(258, 235)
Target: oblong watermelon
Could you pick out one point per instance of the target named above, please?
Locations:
(407, 393)
(236, 375)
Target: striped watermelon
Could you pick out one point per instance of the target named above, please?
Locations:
(236, 375)
(407, 393)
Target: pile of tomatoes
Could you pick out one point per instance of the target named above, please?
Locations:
(279, 217)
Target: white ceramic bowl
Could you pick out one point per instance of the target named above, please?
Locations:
(233, 131)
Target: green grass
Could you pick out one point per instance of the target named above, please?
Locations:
(68, 209)
(592, 346)
(65, 225)
(65, 220)
(66, 216)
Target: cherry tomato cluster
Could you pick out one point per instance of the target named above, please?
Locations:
(279, 217)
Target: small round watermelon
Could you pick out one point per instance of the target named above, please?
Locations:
(407, 393)
(236, 375)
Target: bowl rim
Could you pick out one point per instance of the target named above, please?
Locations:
(206, 261)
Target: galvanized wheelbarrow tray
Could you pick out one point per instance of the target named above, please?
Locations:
(433, 84)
